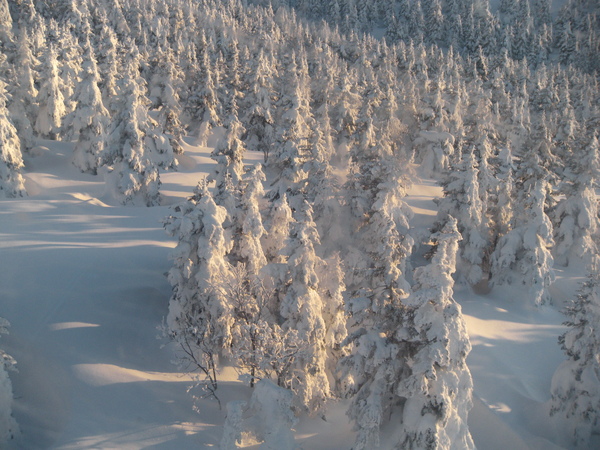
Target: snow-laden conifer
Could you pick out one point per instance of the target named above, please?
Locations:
(50, 98)
(249, 244)
(6, 22)
(202, 104)
(376, 289)
(170, 112)
(23, 107)
(462, 200)
(135, 146)
(11, 159)
(577, 213)
(89, 121)
(293, 134)
(278, 227)
(437, 385)
(301, 309)
(576, 382)
(199, 318)
(260, 132)
(229, 155)
(523, 254)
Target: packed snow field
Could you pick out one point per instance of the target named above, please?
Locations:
(83, 285)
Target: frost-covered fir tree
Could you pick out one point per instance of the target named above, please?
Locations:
(8, 426)
(136, 147)
(50, 99)
(6, 23)
(301, 308)
(11, 159)
(522, 256)
(321, 187)
(462, 201)
(23, 106)
(410, 364)
(260, 132)
(376, 288)
(133, 177)
(577, 213)
(89, 121)
(576, 382)
(170, 113)
(199, 318)
(69, 63)
(202, 105)
(229, 155)
(293, 134)
(108, 64)
(278, 229)
(249, 242)
(438, 386)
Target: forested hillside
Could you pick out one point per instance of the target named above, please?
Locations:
(306, 273)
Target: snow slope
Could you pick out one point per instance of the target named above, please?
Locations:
(82, 283)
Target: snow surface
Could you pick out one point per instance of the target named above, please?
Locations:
(82, 281)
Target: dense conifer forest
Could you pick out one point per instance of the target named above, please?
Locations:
(305, 272)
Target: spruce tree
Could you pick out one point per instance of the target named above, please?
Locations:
(50, 98)
(133, 175)
(576, 382)
(89, 121)
(11, 161)
(438, 386)
(199, 318)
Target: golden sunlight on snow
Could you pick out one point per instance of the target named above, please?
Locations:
(69, 325)
(106, 374)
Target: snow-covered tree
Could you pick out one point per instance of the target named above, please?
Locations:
(462, 201)
(301, 309)
(170, 113)
(23, 106)
(577, 213)
(576, 382)
(229, 155)
(108, 65)
(11, 159)
(410, 363)
(50, 98)
(321, 187)
(293, 133)
(438, 386)
(278, 229)
(260, 133)
(89, 121)
(133, 177)
(135, 147)
(522, 256)
(249, 242)
(199, 318)
(6, 22)
(202, 105)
